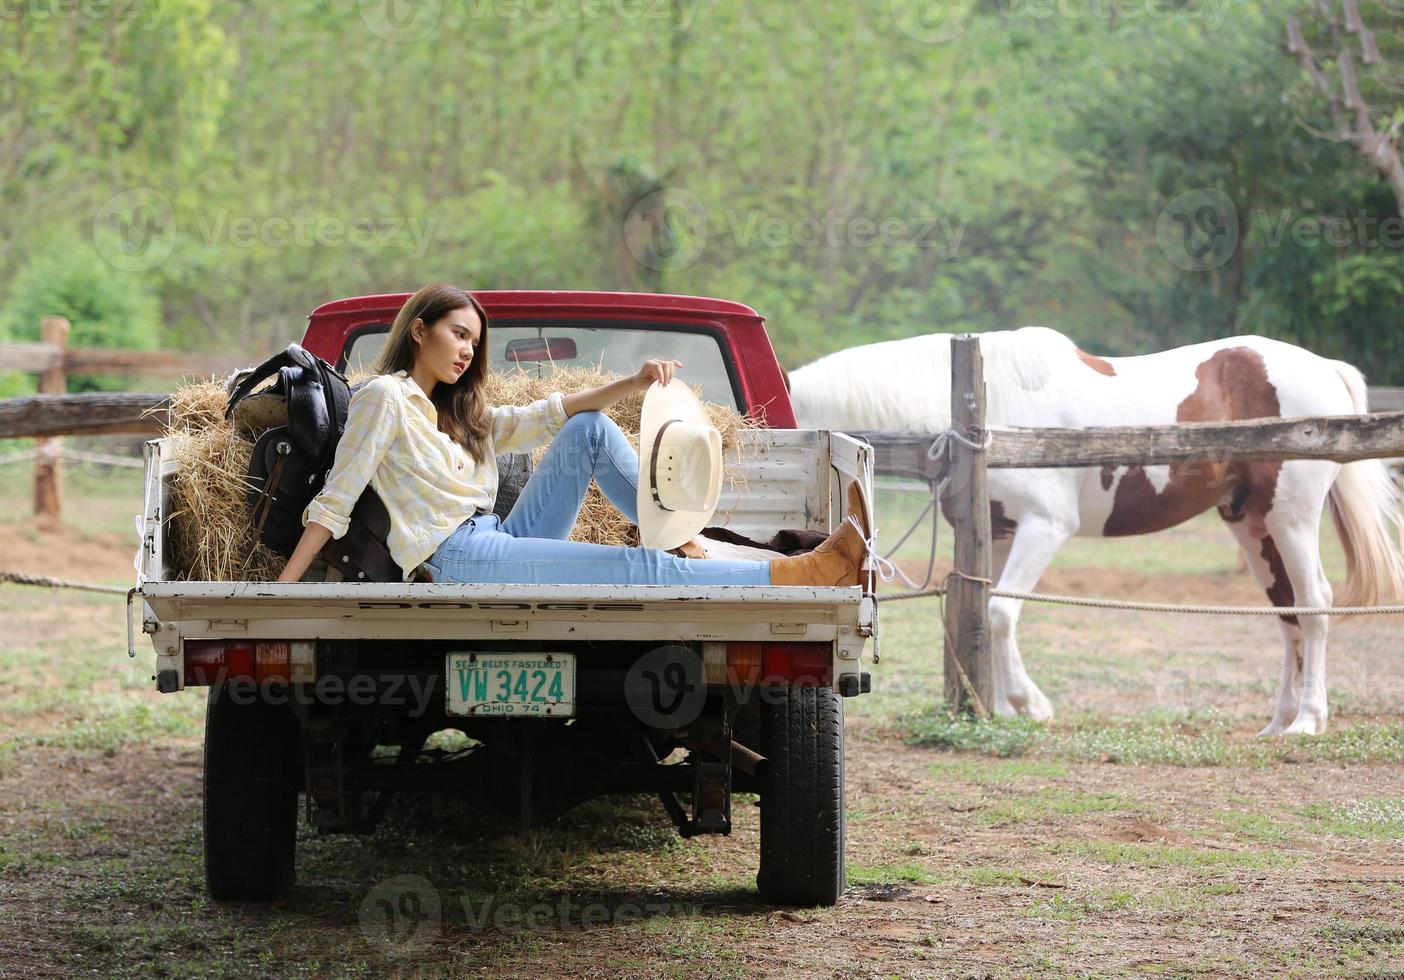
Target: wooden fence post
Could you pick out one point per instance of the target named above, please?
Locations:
(48, 471)
(969, 683)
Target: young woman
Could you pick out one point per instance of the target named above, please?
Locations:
(421, 434)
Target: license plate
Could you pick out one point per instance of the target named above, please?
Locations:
(511, 685)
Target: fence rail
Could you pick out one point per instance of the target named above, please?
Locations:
(1387, 399)
(1341, 438)
(54, 413)
(44, 357)
(96, 413)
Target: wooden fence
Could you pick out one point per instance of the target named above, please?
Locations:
(53, 412)
(967, 647)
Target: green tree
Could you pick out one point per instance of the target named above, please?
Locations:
(104, 306)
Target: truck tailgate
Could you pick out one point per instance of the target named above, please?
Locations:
(306, 610)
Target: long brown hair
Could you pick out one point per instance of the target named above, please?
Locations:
(461, 406)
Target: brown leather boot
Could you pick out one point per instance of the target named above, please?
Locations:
(838, 561)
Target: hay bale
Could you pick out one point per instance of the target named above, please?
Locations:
(209, 530)
(211, 538)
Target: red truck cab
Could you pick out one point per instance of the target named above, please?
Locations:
(722, 344)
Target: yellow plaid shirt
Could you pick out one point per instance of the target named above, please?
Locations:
(429, 483)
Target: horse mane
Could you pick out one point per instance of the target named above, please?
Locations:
(906, 384)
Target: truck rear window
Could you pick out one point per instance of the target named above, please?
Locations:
(620, 350)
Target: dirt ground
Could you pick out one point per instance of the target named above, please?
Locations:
(1143, 831)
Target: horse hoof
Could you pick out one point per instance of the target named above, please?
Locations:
(1306, 726)
(1039, 707)
(1270, 730)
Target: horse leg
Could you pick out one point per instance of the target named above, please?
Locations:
(1287, 564)
(1301, 557)
(1036, 541)
(1289, 686)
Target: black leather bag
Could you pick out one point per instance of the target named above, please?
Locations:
(290, 464)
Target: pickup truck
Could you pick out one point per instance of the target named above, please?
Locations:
(534, 698)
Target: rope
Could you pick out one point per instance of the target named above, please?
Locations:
(939, 449)
(104, 459)
(1157, 607)
(81, 455)
(1170, 607)
(23, 578)
(19, 457)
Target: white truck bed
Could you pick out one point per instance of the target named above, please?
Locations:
(787, 479)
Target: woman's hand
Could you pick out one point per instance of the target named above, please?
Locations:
(314, 536)
(655, 369)
(599, 399)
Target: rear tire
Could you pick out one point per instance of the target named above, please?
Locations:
(251, 782)
(802, 819)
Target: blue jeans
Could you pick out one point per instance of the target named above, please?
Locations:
(529, 547)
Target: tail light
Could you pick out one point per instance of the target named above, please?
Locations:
(212, 661)
(779, 664)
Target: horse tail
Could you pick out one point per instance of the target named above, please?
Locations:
(1365, 509)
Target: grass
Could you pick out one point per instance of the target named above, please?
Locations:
(999, 877)
(1369, 932)
(96, 499)
(973, 813)
(1171, 856)
(1113, 901)
(1256, 825)
(997, 772)
(1376, 819)
(891, 874)
(1000, 737)
(1043, 806)
(1196, 739)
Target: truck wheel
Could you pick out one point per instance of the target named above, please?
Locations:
(801, 818)
(250, 796)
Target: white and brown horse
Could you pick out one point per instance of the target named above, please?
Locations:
(1037, 377)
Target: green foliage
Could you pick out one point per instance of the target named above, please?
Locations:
(104, 306)
(1019, 168)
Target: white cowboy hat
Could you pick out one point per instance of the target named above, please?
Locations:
(680, 467)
